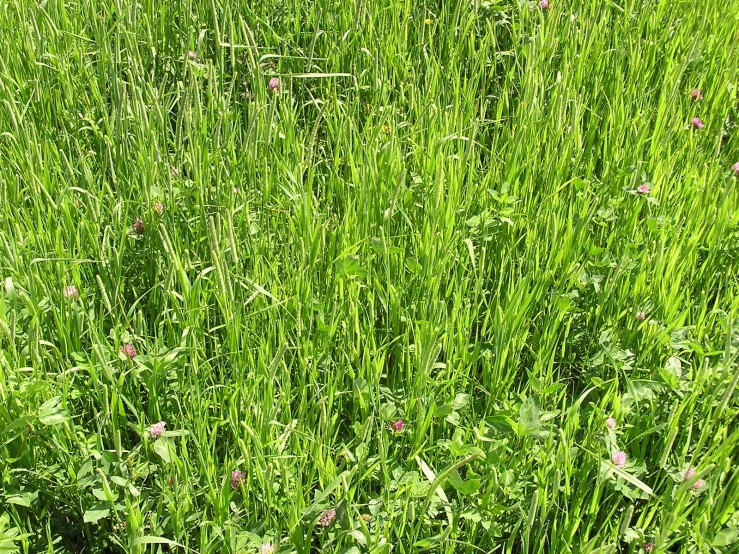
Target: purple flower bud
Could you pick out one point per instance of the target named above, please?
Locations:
(611, 423)
(267, 548)
(648, 546)
(71, 292)
(397, 426)
(327, 518)
(696, 94)
(192, 55)
(544, 4)
(643, 189)
(697, 123)
(274, 83)
(735, 168)
(158, 208)
(129, 351)
(138, 226)
(157, 430)
(688, 475)
(237, 478)
(640, 316)
(619, 459)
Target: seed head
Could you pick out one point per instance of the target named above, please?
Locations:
(274, 83)
(327, 518)
(71, 292)
(128, 350)
(697, 123)
(611, 423)
(157, 430)
(138, 226)
(696, 94)
(397, 426)
(643, 189)
(640, 316)
(237, 478)
(619, 459)
(267, 548)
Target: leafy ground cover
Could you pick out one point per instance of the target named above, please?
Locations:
(323, 276)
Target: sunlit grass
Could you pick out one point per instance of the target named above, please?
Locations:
(387, 303)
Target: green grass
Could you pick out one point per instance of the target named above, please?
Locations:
(434, 219)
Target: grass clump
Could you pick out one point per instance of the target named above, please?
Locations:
(311, 276)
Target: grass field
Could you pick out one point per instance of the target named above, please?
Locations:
(369, 277)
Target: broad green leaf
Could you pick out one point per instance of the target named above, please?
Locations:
(349, 267)
(630, 535)
(50, 413)
(155, 540)
(96, 513)
(85, 469)
(443, 410)
(725, 537)
(120, 481)
(607, 467)
(163, 448)
(460, 400)
(413, 265)
(10, 290)
(56, 418)
(454, 418)
(470, 486)
(377, 245)
(20, 422)
(528, 415)
(359, 537)
(133, 490)
(22, 499)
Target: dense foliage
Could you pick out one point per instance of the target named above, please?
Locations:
(324, 276)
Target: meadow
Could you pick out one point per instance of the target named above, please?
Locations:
(301, 276)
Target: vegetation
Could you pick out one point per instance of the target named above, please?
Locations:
(323, 276)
